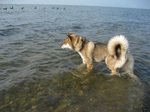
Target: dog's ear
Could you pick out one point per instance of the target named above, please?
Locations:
(70, 36)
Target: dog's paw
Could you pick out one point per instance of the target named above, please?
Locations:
(90, 66)
(117, 74)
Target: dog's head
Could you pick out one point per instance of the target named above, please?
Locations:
(73, 42)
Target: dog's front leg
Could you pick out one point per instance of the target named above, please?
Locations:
(89, 55)
(89, 62)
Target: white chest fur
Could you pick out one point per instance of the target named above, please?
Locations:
(82, 57)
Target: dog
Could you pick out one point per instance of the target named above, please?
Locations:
(115, 53)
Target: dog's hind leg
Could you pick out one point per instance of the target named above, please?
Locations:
(110, 62)
(129, 65)
(115, 72)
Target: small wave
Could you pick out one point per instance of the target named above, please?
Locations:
(9, 32)
(77, 27)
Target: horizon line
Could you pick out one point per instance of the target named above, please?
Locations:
(77, 5)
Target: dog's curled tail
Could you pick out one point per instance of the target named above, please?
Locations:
(117, 47)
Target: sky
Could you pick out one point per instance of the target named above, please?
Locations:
(144, 4)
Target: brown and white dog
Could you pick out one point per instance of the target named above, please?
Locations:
(115, 52)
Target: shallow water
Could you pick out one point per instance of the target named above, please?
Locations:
(37, 76)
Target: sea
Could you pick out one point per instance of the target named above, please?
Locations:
(36, 75)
